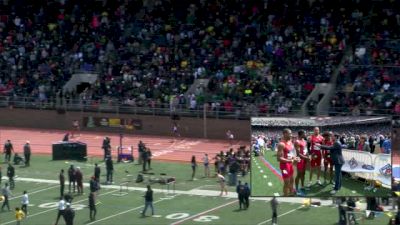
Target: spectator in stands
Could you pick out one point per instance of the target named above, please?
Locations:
(363, 145)
(387, 146)
(371, 142)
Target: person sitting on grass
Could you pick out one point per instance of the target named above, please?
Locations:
(17, 159)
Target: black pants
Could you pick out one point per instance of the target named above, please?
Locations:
(73, 183)
(247, 202)
(274, 217)
(144, 164)
(60, 213)
(241, 201)
(27, 159)
(11, 181)
(93, 212)
(25, 209)
(6, 203)
(109, 175)
(62, 186)
(338, 176)
(8, 157)
(149, 163)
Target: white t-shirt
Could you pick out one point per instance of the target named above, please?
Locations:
(61, 205)
(205, 160)
(25, 199)
(261, 142)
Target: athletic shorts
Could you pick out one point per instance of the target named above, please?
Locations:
(301, 166)
(287, 170)
(316, 159)
(328, 161)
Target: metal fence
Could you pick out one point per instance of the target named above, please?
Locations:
(116, 107)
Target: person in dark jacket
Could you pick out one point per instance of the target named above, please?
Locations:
(144, 159)
(247, 193)
(274, 207)
(8, 149)
(97, 172)
(240, 192)
(79, 180)
(93, 186)
(10, 175)
(148, 201)
(106, 146)
(110, 170)
(338, 160)
(71, 178)
(351, 205)
(141, 149)
(69, 215)
(61, 178)
(27, 153)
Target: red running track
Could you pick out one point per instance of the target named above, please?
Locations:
(163, 148)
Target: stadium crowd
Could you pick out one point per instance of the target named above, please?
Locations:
(369, 81)
(371, 135)
(260, 56)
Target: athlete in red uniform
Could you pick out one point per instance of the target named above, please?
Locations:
(327, 157)
(316, 155)
(302, 153)
(286, 157)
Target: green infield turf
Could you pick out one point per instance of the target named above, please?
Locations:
(265, 183)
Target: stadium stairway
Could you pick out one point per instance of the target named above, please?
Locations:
(196, 84)
(323, 92)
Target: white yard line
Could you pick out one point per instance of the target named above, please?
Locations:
(202, 213)
(194, 192)
(126, 211)
(34, 192)
(266, 221)
(36, 214)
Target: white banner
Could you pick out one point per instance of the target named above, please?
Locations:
(368, 166)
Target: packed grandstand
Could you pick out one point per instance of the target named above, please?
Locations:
(256, 57)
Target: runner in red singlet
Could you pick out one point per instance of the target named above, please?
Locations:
(302, 153)
(327, 157)
(286, 157)
(316, 156)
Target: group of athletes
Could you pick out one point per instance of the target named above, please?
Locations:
(293, 152)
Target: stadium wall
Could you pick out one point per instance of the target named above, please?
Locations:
(151, 125)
